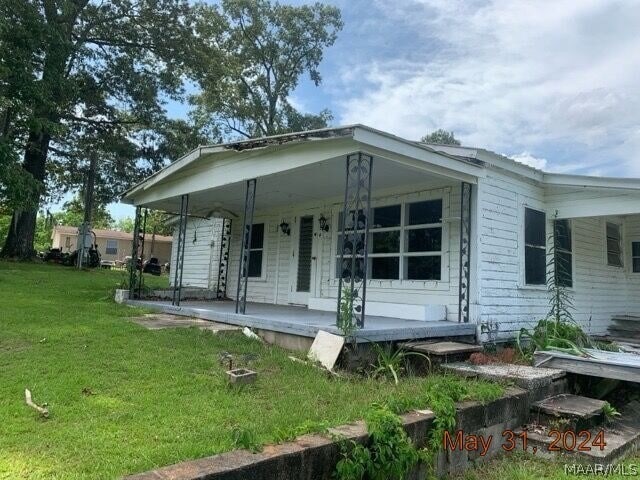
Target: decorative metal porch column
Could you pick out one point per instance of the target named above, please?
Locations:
(178, 267)
(133, 264)
(355, 236)
(245, 252)
(464, 279)
(223, 262)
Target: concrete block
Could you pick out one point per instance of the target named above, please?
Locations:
(121, 295)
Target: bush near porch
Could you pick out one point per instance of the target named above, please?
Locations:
(124, 399)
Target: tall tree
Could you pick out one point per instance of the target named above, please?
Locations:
(266, 48)
(83, 69)
(442, 137)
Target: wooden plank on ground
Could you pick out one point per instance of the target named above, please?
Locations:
(615, 365)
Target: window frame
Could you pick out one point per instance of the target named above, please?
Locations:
(106, 248)
(620, 226)
(523, 263)
(571, 252)
(263, 249)
(403, 200)
(632, 256)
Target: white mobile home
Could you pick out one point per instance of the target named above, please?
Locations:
(265, 217)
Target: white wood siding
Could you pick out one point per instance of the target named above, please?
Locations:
(274, 286)
(506, 304)
(201, 253)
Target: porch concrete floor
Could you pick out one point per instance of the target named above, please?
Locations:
(306, 323)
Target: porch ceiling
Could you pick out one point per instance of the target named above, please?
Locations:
(323, 181)
(570, 201)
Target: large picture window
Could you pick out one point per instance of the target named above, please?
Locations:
(256, 249)
(535, 251)
(405, 241)
(614, 244)
(563, 253)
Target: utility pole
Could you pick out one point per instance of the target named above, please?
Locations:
(84, 232)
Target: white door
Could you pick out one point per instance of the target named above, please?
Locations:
(303, 260)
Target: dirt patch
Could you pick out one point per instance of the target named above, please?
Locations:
(158, 321)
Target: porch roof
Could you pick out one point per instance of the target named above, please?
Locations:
(296, 169)
(578, 196)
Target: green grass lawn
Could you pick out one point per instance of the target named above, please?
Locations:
(124, 399)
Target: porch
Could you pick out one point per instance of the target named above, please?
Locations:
(303, 322)
(306, 219)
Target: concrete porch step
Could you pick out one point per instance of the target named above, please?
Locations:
(442, 351)
(568, 411)
(621, 436)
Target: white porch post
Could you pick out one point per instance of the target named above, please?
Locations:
(464, 277)
(178, 267)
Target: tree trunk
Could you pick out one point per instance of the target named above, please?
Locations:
(19, 242)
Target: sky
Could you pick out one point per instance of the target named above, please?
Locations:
(554, 84)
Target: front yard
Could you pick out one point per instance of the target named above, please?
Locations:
(124, 399)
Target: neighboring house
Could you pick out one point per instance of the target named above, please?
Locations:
(421, 198)
(112, 244)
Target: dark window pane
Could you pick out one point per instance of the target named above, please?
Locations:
(562, 234)
(635, 248)
(385, 242)
(636, 265)
(424, 240)
(614, 259)
(386, 217)
(343, 269)
(423, 268)
(613, 245)
(425, 212)
(613, 230)
(257, 235)
(535, 266)
(385, 268)
(564, 269)
(255, 263)
(534, 227)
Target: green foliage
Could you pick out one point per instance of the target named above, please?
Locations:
(610, 412)
(392, 362)
(440, 136)
(443, 392)
(156, 223)
(243, 437)
(389, 455)
(346, 320)
(265, 48)
(559, 331)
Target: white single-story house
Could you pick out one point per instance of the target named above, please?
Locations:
(425, 216)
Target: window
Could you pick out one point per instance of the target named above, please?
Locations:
(614, 248)
(563, 253)
(112, 247)
(405, 241)
(256, 250)
(535, 250)
(635, 257)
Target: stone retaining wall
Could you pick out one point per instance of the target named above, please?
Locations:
(313, 457)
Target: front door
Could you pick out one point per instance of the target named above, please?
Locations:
(303, 261)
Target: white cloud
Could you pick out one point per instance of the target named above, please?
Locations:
(531, 160)
(548, 79)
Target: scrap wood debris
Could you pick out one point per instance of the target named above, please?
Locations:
(42, 410)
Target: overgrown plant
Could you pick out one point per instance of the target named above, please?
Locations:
(389, 455)
(346, 319)
(558, 331)
(609, 412)
(392, 363)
